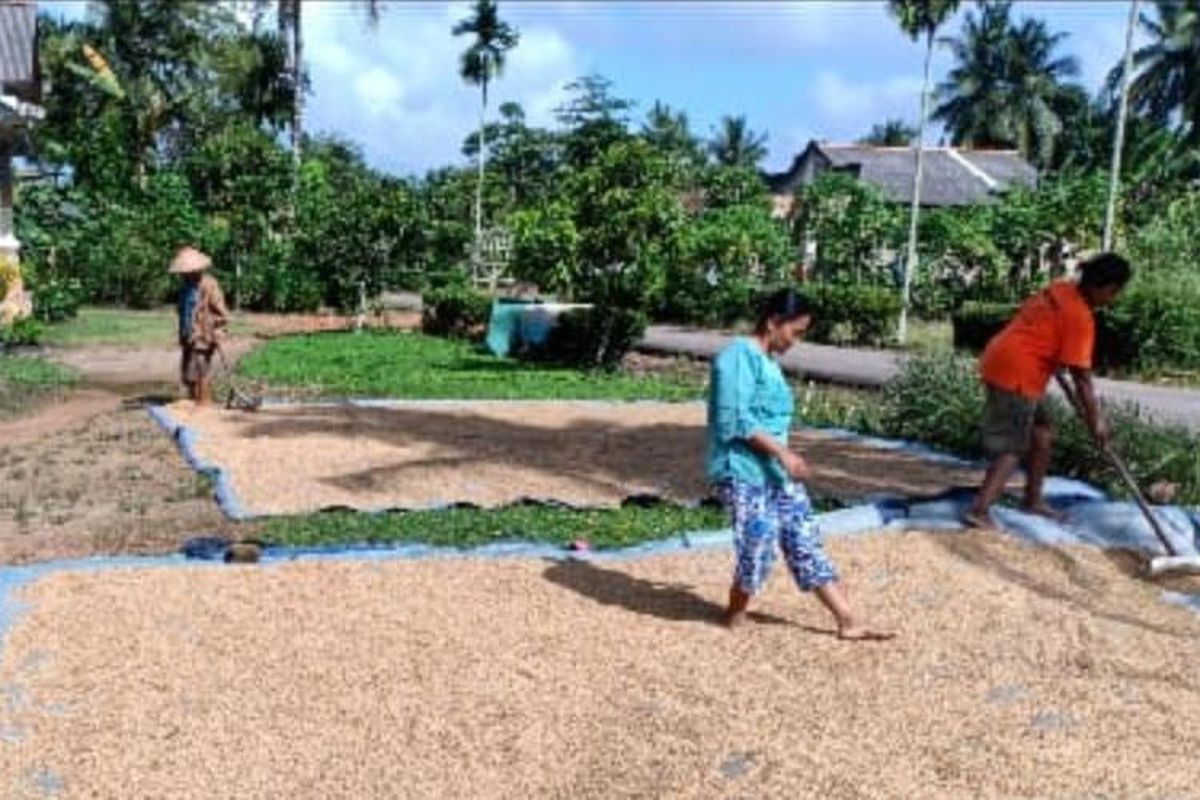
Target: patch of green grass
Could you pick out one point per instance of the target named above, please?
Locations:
(114, 326)
(121, 326)
(413, 365)
(930, 336)
(827, 406)
(25, 379)
(474, 527)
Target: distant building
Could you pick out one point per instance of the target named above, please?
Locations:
(950, 176)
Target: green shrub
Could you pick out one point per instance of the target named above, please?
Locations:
(455, 310)
(976, 323)
(727, 255)
(850, 314)
(939, 401)
(1155, 325)
(594, 338)
(22, 332)
(56, 299)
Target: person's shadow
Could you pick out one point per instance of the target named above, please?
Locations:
(670, 601)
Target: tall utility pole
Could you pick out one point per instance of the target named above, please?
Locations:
(1114, 178)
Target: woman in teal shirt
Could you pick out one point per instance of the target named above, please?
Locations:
(758, 477)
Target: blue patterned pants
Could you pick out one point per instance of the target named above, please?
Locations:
(762, 514)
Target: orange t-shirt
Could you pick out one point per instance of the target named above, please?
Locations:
(1053, 328)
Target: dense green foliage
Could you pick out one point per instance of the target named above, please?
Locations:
(939, 401)
(594, 338)
(855, 315)
(643, 217)
(455, 310)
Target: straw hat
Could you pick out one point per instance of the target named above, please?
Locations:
(189, 259)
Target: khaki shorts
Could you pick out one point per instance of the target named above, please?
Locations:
(196, 366)
(1008, 421)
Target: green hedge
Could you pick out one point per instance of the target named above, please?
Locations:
(855, 315)
(1153, 326)
(975, 323)
(939, 401)
(594, 338)
(455, 310)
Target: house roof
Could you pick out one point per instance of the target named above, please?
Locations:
(950, 176)
(18, 52)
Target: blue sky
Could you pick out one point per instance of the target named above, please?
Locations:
(797, 70)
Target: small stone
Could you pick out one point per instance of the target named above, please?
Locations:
(1051, 721)
(1162, 492)
(1007, 695)
(580, 545)
(737, 765)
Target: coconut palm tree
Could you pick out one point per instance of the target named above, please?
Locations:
(289, 24)
(735, 145)
(479, 64)
(1165, 84)
(1114, 175)
(918, 18)
(669, 131)
(1007, 86)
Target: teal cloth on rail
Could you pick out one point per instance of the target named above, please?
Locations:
(504, 326)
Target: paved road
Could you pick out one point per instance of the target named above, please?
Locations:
(873, 368)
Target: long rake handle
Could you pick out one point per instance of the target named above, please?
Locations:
(1121, 469)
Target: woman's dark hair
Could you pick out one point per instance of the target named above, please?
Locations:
(1106, 269)
(785, 305)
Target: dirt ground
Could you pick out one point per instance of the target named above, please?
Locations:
(1019, 672)
(92, 473)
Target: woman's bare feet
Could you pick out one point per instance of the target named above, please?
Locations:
(735, 614)
(734, 619)
(833, 596)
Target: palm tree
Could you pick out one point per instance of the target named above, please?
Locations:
(479, 64)
(918, 18)
(1114, 175)
(1007, 86)
(735, 145)
(1166, 72)
(890, 133)
(670, 132)
(289, 23)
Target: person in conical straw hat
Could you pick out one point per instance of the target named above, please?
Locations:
(203, 319)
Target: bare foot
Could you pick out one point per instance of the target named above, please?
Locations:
(734, 619)
(973, 519)
(861, 633)
(1043, 510)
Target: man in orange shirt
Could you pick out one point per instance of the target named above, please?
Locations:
(1053, 329)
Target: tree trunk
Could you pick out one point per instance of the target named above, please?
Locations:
(297, 67)
(1114, 177)
(910, 261)
(479, 159)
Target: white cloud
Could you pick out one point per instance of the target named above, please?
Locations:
(378, 90)
(851, 107)
(397, 91)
